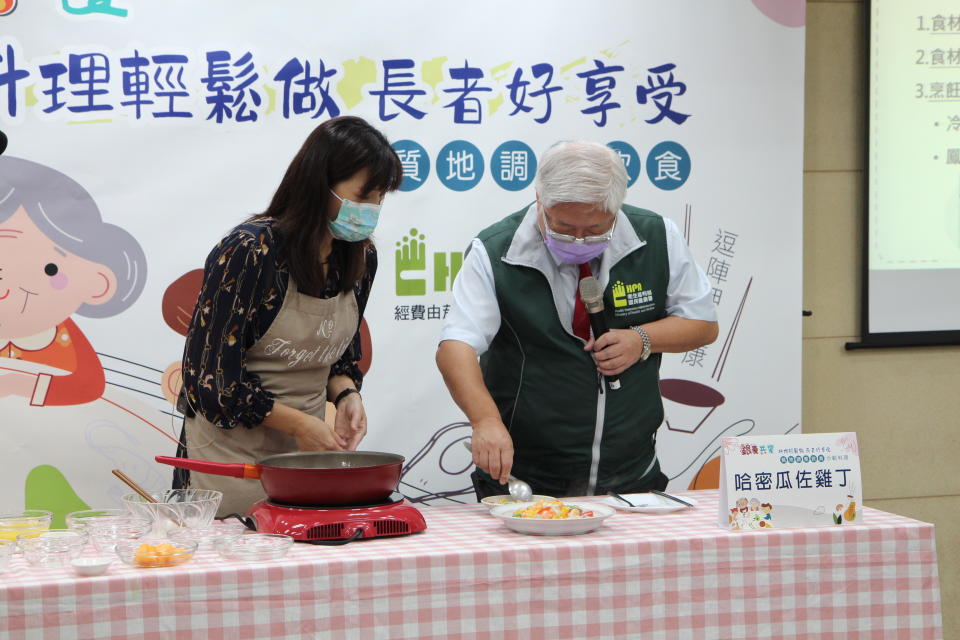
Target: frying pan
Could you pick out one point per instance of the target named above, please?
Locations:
(312, 478)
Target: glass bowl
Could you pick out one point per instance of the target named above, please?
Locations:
(81, 519)
(175, 508)
(253, 547)
(206, 537)
(107, 532)
(7, 547)
(52, 548)
(152, 553)
(24, 523)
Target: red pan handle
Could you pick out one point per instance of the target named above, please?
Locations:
(232, 469)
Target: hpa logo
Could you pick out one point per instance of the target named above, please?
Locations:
(631, 298)
(7, 7)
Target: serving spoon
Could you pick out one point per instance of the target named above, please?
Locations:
(518, 489)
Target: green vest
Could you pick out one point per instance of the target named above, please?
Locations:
(572, 435)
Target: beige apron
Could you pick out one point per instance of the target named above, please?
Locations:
(293, 361)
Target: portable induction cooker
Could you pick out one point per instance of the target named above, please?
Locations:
(395, 516)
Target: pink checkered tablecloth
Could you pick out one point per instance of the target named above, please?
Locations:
(668, 576)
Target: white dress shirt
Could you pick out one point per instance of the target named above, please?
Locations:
(474, 316)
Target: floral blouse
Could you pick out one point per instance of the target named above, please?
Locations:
(244, 283)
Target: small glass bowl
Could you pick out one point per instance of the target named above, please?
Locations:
(152, 553)
(7, 547)
(206, 537)
(52, 548)
(33, 521)
(107, 532)
(82, 519)
(254, 547)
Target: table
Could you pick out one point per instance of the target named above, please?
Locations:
(640, 576)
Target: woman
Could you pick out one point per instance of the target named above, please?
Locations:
(275, 332)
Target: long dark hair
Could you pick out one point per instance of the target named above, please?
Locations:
(334, 151)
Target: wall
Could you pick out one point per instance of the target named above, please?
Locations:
(903, 403)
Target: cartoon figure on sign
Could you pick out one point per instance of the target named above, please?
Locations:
(850, 513)
(58, 258)
(178, 302)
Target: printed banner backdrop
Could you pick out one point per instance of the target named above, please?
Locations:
(179, 118)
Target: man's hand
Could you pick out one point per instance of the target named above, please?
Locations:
(313, 434)
(351, 421)
(17, 384)
(492, 445)
(493, 448)
(616, 351)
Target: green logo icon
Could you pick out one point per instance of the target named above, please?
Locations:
(411, 259)
(411, 255)
(619, 294)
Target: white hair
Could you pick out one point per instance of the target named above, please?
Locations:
(584, 172)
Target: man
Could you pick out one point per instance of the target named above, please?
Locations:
(536, 400)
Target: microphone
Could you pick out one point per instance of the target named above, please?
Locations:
(3, 142)
(592, 296)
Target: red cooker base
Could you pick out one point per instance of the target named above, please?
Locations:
(396, 517)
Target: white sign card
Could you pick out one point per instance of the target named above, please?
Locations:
(790, 481)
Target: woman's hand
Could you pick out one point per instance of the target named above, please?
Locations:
(313, 434)
(351, 421)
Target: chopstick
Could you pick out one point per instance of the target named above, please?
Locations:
(146, 496)
(133, 485)
(667, 495)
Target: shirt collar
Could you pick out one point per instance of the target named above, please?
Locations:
(528, 247)
(35, 342)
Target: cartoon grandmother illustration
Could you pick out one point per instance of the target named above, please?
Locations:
(57, 258)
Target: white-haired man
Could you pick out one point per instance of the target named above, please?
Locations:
(536, 399)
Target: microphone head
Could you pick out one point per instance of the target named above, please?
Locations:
(3, 142)
(591, 294)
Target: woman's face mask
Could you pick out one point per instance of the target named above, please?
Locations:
(355, 221)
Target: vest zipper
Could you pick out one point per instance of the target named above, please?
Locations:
(597, 437)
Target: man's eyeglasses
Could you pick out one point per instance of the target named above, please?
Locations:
(562, 237)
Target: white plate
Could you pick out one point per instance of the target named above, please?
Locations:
(565, 527)
(648, 503)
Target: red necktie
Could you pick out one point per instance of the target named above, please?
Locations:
(581, 321)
